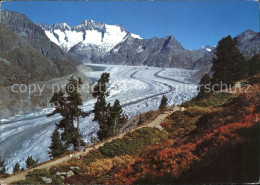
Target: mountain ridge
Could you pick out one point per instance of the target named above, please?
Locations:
(99, 51)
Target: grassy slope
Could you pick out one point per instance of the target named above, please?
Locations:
(214, 140)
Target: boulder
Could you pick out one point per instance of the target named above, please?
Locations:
(75, 169)
(46, 180)
(159, 127)
(70, 173)
(182, 109)
(175, 108)
(61, 173)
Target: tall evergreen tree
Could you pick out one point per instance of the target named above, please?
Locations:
(68, 106)
(117, 118)
(30, 162)
(57, 148)
(140, 120)
(229, 64)
(72, 136)
(74, 99)
(17, 168)
(2, 167)
(204, 86)
(59, 101)
(163, 104)
(254, 65)
(101, 109)
(74, 103)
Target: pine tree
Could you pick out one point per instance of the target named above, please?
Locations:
(117, 117)
(30, 162)
(140, 120)
(72, 136)
(254, 65)
(74, 101)
(59, 101)
(17, 168)
(57, 148)
(2, 167)
(68, 106)
(204, 86)
(163, 104)
(101, 109)
(229, 64)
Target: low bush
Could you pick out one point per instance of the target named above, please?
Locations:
(102, 166)
(181, 123)
(34, 177)
(214, 100)
(98, 169)
(230, 163)
(132, 143)
(253, 80)
(92, 156)
(232, 111)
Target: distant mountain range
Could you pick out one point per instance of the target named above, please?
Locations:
(93, 42)
(65, 46)
(112, 44)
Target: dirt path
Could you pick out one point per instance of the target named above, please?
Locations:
(21, 176)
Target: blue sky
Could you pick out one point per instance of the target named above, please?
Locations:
(193, 24)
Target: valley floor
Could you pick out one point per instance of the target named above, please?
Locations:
(139, 89)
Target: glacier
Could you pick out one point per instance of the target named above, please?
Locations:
(139, 89)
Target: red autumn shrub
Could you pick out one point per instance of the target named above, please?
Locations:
(171, 162)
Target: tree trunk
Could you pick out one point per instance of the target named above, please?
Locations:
(114, 129)
(78, 140)
(77, 123)
(78, 144)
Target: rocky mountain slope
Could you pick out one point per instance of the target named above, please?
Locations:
(21, 63)
(28, 56)
(158, 52)
(249, 43)
(36, 38)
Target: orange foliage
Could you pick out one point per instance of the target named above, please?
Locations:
(162, 161)
(166, 124)
(219, 129)
(157, 163)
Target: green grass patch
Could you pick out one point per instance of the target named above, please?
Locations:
(133, 143)
(213, 101)
(92, 156)
(181, 123)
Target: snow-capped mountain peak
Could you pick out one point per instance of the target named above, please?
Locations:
(206, 48)
(87, 34)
